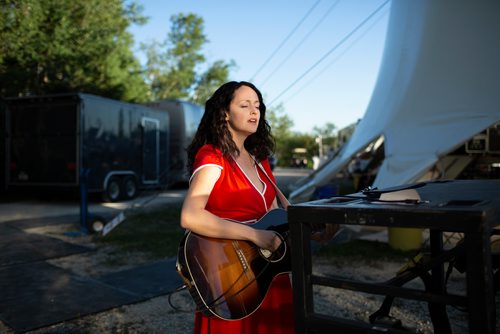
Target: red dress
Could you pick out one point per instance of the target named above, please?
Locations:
(235, 197)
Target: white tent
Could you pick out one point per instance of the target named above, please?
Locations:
(438, 86)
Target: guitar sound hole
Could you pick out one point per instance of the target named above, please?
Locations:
(275, 256)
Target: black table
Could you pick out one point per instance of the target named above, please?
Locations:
(471, 207)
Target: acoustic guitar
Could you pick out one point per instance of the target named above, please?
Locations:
(230, 278)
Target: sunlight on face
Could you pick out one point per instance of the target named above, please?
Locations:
(244, 113)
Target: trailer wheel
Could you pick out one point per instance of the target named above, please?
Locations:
(113, 191)
(129, 184)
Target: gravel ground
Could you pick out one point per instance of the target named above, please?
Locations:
(157, 316)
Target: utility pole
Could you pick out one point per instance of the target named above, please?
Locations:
(319, 140)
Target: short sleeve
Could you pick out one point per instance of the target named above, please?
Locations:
(207, 155)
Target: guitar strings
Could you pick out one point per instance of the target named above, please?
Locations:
(228, 289)
(256, 251)
(214, 303)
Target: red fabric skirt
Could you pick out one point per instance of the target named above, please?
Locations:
(274, 316)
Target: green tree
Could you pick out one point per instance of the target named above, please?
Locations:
(281, 127)
(56, 46)
(287, 140)
(327, 130)
(210, 80)
(299, 140)
(281, 124)
(173, 66)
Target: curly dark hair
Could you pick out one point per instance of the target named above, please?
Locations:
(213, 127)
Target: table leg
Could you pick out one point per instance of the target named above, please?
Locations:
(438, 313)
(302, 270)
(479, 277)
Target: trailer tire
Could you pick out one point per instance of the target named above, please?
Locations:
(113, 192)
(129, 187)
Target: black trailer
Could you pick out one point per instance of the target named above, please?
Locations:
(55, 141)
(184, 120)
(3, 137)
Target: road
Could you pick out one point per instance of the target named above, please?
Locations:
(34, 207)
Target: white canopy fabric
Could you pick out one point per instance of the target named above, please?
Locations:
(438, 85)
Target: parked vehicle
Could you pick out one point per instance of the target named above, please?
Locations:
(273, 161)
(118, 148)
(3, 137)
(184, 120)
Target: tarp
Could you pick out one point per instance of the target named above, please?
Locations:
(438, 86)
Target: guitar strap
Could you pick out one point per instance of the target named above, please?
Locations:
(284, 201)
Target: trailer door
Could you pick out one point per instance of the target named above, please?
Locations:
(43, 142)
(150, 150)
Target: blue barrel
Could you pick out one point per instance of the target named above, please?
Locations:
(327, 191)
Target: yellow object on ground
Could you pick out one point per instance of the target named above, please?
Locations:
(405, 239)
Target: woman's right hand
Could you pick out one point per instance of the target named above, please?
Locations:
(266, 239)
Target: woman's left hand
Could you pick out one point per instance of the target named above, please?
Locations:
(325, 234)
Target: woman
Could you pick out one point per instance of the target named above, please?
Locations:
(226, 183)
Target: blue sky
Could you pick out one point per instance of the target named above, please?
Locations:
(318, 58)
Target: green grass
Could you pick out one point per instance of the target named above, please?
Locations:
(157, 233)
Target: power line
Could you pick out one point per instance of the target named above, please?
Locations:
(330, 51)
(339, 56)
(300, 43)
(285, 40)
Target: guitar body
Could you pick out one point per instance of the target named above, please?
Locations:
(230, 278)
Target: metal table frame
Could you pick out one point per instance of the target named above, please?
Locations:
(468, 207)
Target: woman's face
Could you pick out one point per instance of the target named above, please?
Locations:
(244, 114)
